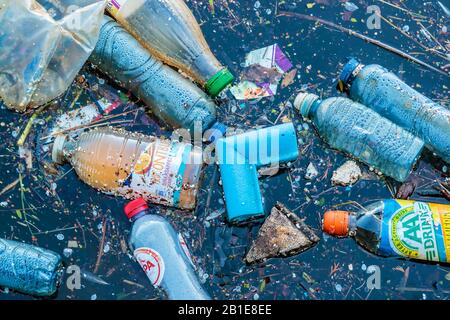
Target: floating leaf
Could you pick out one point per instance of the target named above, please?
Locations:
(19, 213)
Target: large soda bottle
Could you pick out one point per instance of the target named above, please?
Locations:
(168, 29)
(385, 93)
(133, 165)
(163, 254)
(353, 128)
(29, 269)
(171, 97)
(396, 228)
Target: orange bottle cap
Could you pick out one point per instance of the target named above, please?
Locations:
(335, 223)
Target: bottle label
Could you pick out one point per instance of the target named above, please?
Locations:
(416, 230)
(185, 249)
(159, 172)
(114, 6)
(152, 263)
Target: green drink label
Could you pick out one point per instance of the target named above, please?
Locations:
(416, 230)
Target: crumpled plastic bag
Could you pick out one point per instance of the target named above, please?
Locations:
(41, 53)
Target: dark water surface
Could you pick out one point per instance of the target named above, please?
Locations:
(334, 269)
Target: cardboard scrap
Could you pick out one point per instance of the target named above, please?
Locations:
(282, 234)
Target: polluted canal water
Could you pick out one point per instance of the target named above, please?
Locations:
(50, 206)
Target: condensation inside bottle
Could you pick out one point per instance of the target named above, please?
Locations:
(168, 29)
(368, 227)
(105, 158)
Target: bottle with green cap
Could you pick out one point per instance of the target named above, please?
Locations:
(357, 130)
(169, 30)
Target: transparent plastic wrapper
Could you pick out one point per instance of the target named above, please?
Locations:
(42, 51)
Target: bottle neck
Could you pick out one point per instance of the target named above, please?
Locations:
(313, 108)
(352, 219)
(139, 215)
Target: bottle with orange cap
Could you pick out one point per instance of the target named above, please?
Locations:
(163, 254)
(396, 228)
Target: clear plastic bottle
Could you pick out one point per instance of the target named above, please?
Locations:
(396, 228)
(385, 93)
(168, 29)
(29, 269)
(133, 165)
(163, 254)
(353, 128)
(171, 97)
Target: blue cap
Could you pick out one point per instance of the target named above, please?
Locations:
(349, 67)
(216, 131)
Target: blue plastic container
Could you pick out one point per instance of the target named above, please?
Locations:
(29, 269)
(385, 93)
(163, 254)
(239, 158)
(171, 97)
(361, 132)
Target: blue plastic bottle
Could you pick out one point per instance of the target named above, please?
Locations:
(171, 97)
(29, 269)
(355, 129)
(163, 254)
(385, 93)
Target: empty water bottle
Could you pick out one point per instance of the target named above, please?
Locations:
(353, 128)
(171, 97)
(133, 165)
(385, 93)
(163, 254)
(168, 29)
(29, 269)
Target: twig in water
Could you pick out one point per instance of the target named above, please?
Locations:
(100, 248)
(365, 38)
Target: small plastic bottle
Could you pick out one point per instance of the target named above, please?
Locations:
(29, 269)
(355, 129)
(396, 228)
(385, 93)
(171, 97)
(163, 254)
(134, 165)
(168, 29)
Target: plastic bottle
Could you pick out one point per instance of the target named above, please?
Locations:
(396, 228)
(353, 128)
(133, 165)
(29, 269)
(385, 93)
(168, 29)
(163, 254)
(171, 97)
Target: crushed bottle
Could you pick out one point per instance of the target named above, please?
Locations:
(29, 269)
(357, 130)
(169, 30)
(385, 93)
(396, 228)
(163, 254)
(134, 165)
(170, 96)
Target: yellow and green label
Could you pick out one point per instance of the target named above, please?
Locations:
(416, 230)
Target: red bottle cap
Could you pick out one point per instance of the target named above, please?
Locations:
(335, 223)
(134, 207)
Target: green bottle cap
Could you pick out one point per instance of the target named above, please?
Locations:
(218, 82)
